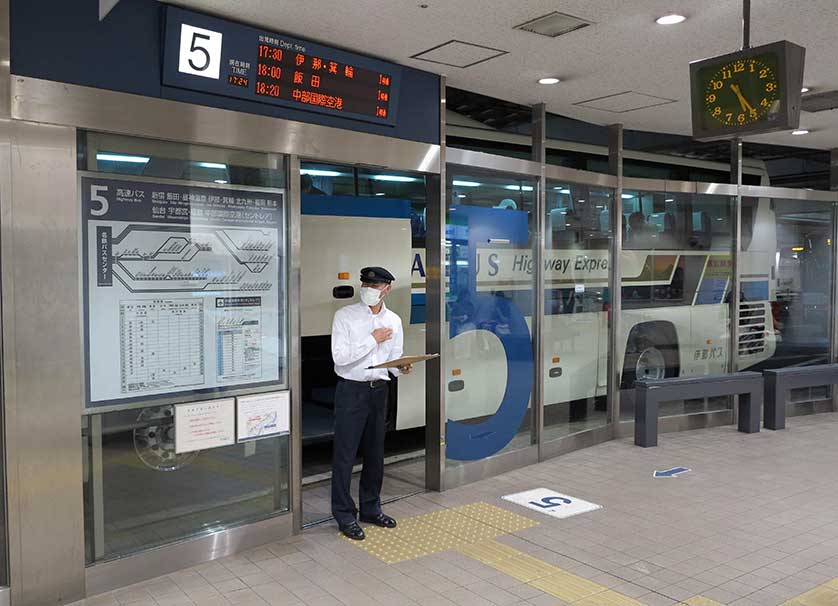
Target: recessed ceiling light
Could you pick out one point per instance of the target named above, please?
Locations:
(519, 187)
(627, 196)
(221, 181)
(465, 183)
(670, 19)
(804, 90)
(217, 165)
(564, 191)
(670, 200)
(316, 172)
(550, 80)
(394, 178)
(800, 131)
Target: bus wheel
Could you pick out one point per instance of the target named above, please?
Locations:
(648, 360)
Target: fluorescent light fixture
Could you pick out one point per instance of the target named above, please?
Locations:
(519, 187)
(217, 165)
(461, 195)
(805, 89)
(122, 158)
(465, 183)
(564, 191)
(670, 19)
(800, 131)
(550, 80)
(222, 181)
(394, 178)
(670, 200)
(797, 248)
(627, 196)
(381, 193)
(314, 172)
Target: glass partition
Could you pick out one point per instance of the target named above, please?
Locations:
(186, 428)
(786, 309)
(576, 273)
(490, 286)
(676, 279)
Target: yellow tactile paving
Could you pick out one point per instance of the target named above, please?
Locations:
(608, 598)
(700, 600)
(825, 595)
(524, 568)
(496, 517)
(471, 530)
(568, 587)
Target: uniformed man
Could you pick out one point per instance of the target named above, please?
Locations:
(364, 334)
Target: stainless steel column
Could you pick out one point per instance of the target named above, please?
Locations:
(539, 136)
(736, 234)
(833, 354)
(436, 338)
(615, 167)
(295, 377)
(42, 367)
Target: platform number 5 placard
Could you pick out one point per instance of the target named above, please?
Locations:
(552, 503)
(200, 52)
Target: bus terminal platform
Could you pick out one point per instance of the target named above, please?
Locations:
(710, 517)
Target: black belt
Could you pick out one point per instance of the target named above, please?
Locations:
(371, 384)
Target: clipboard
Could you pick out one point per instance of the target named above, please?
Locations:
(404, 361)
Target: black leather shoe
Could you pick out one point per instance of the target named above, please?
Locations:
(381, 519)
(353, 531)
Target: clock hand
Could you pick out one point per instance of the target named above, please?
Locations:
(742, 102)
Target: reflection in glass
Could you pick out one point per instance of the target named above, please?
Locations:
(138, 492)
(786, 293)
(676, 276)
(577, 270)
(354, 217)
(151, 496)
(489, 266)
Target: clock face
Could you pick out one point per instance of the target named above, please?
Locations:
(741, 93)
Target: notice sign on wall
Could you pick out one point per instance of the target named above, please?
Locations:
(263, 415)
(204, 425)
(183, 287)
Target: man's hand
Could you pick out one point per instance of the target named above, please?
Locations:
(382, 334)
(406, 369)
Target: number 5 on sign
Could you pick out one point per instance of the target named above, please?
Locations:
(551, 503)
(200, 52)
(548, 502)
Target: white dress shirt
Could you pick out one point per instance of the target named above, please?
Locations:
(354, 349)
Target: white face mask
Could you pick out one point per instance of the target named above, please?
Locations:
(370, 296)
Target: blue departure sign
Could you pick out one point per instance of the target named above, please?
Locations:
(216, 56)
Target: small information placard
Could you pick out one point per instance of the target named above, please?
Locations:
(263, 415)
(551, 503)
(203, 425)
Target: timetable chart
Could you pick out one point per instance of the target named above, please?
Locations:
(238, 330)
(161, 344)
(313, 80)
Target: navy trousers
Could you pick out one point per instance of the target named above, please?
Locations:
(359, 424)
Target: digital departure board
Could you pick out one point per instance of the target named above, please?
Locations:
(216, 56)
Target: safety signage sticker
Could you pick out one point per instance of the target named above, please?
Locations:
(552, 503)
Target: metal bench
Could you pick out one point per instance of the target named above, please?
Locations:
(747, 385)
(780, 381)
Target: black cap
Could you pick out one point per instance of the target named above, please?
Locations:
(376, 275)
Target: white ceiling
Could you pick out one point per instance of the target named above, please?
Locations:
(624, 51)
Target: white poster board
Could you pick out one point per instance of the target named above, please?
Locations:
(551, 503)
(183, 287)
(263, 415)
(204, 425)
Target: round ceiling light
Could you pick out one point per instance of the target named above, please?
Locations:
(550, 80)
(800, 131)
(670, 19)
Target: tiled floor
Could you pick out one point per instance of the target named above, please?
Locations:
(754, 523)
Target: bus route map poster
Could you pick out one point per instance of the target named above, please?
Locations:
(183, 288)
